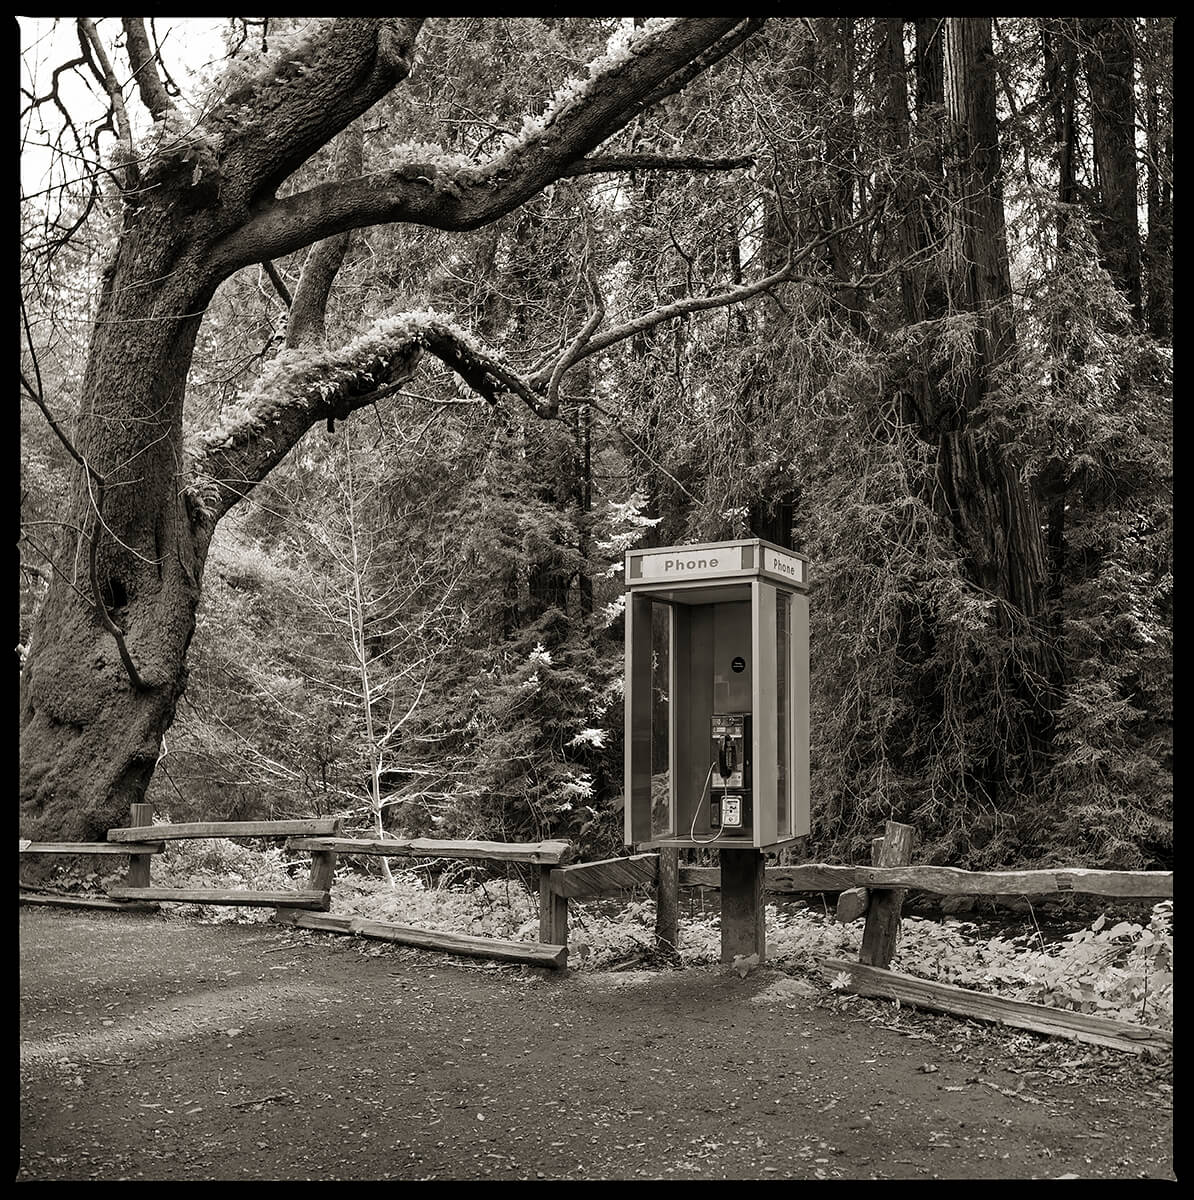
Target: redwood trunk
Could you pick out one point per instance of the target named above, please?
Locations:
(995, 517)
(1110, 66)
(1158, 264)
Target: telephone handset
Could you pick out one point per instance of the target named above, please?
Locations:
(726, 757)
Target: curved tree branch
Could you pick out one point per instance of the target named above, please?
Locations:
(303, 386)
(299, 388)
(733, 295)
(456, 195)
(576, 351)
(597, 164)
(271, 124)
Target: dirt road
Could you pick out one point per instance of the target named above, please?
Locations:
(154, 1049)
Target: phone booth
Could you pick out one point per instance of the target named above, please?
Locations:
(717, 712)
(717, 683)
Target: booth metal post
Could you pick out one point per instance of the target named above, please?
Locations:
(743, 931)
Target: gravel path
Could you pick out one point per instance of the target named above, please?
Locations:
(164, 1049)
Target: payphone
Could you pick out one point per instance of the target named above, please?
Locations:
(729, 801)
(717, 717)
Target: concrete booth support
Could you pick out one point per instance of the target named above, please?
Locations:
(717, 711)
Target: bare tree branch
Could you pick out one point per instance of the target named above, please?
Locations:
(141, 58)
(599, 163)
(576, 351)
(733, 295)
(101, 65)
(172, 88)
(279, 283)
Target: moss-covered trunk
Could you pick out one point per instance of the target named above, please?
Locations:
(90, 734)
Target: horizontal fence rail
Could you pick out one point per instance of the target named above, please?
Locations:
(952, 881)
(239, 899)
(92, 847)
(534, 953)
(229, 829)
(530, 852)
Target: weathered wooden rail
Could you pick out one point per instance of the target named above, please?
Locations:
(552, 948)
(952, 881)
(308, 907)
(877, 893)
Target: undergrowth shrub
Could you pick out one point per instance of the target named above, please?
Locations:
(217, 863)
(497, 908)
(1123, 971)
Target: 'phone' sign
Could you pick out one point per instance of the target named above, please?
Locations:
(783, 564)
(692, 564)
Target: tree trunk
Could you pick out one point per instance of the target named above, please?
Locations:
(917, 210)
(1158, 264)
(1109, 56)
(994, 516)
(1060, 40)
(90, 738)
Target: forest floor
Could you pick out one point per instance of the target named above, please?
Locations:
(155, 1049)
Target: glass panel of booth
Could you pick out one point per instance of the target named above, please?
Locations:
(650, 810)
(783, 713)
(663, 821)
(776, 703)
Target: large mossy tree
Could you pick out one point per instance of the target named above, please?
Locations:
(201, 199)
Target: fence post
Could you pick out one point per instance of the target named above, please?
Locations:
(323, 869)
(882, 927)
(138, 872)
(553, 912)
(667, 900)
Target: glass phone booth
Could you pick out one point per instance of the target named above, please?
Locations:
(717, 695)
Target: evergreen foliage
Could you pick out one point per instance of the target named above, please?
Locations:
(815, 413)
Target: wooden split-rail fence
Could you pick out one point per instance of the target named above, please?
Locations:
(875, 893)
(308, 907)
